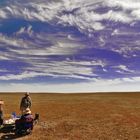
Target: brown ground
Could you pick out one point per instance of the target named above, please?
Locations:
(113, 116)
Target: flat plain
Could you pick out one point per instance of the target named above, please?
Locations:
(87, 116)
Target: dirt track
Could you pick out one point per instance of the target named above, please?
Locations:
(113, 116)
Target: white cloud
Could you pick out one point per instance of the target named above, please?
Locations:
(98, 86)
(57, 69)
(23, 51)
(2, 14)
(118, 17)
(19, 48)
(127, 49)
(125, 4)
(29, 52)
(59, 48)
(24, 75)
(136, 13)
(83, 21)
(123, 68)
(4, 57)
(75, 13)
(13, 41)
(124, 32)
(24, 30)
(69, 69)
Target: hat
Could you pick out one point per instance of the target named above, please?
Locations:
(27, 94)
(27, 111)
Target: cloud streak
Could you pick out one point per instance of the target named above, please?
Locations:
(88, 41)
(117, 85)
(81, 14)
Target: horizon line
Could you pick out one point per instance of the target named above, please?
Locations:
(12, 92)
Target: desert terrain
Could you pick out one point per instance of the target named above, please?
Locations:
(87, 116)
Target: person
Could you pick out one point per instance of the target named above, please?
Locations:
(1, 112)
(25, 122)
(26, 102)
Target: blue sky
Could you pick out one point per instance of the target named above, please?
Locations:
(69, 45)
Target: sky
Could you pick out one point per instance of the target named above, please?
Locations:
(69, 45)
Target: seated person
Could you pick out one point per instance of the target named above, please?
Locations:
(26, 121)
(1, 112)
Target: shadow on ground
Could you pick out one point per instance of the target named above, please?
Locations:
(8, 133)
(9, 137)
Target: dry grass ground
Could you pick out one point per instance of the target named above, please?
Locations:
(114, 116)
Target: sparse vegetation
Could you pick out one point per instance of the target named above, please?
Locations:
(81, 116)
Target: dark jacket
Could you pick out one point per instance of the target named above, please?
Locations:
(25, 122)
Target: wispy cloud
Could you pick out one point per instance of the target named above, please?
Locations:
(123, 69)
(63, 69)
(75, 13)
(21, 76)
(24, 30)
(126, 4)
(95, 41)
(19, 46)
(119, 85)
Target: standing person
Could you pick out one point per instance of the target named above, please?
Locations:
(1, 112)
(26, 102)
